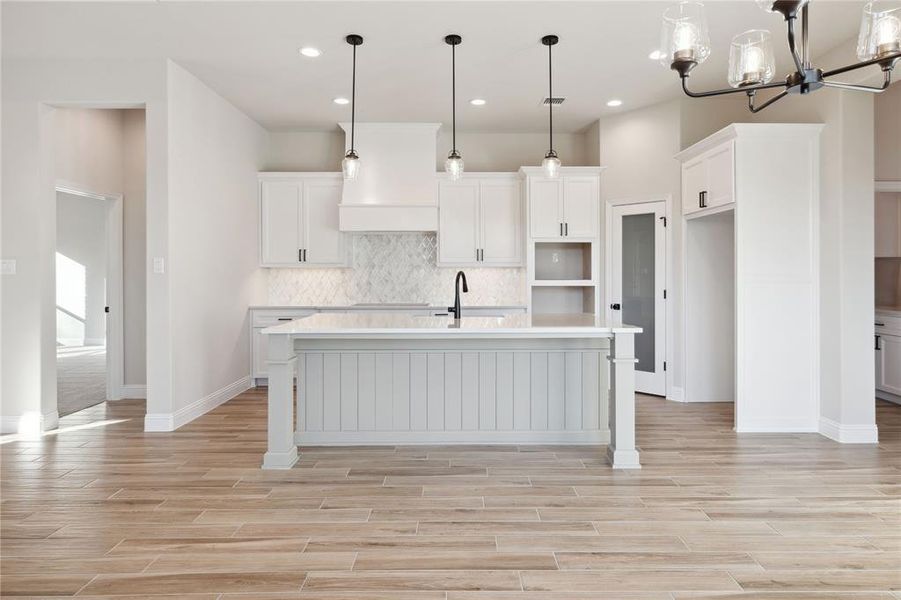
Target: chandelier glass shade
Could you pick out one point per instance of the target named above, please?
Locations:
(751, 60)
(684, 34)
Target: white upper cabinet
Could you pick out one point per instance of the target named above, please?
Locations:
(299, 220)
(480, 221)
(708, 181)
(323, 243)
(458, 222)
(281, 236)
(565, 207)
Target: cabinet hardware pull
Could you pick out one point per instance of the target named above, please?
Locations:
(561, 229)
(285, 318)
(300, 255)
(878, 324)
(566, 229)
(304, 255)
(702, 199)
(878, 347)
(482, 254)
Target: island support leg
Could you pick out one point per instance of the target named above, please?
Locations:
(621, 452)
(282, 361)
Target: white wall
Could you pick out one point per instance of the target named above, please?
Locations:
(102, 150)
(215, 153)
(30, 89)
(323, 150)
(80, 270)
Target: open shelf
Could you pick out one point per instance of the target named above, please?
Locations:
(562, 261)
(562, 299)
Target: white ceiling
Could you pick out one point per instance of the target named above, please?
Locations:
(248, 52)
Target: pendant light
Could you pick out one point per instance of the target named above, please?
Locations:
(550, 164)
(350, 166)
(454, 163)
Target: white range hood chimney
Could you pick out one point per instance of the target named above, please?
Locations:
(396, 189)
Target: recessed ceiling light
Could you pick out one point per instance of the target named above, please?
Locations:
(310, 52)
(614, 103)
(341, 100)
(656, 55)
(477, 102)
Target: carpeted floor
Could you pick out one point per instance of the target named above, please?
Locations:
(81, 377)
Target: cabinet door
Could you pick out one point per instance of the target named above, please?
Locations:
(458, 222)
(500, 219)
(890, 379)
(694, 181)
(545, 207)
(580, 207)
(324, 242)
(888, 224)
(260, 350)
(280, 215)
(720, 168)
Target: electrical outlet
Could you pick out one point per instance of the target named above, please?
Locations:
(8, 266)
(159, 265)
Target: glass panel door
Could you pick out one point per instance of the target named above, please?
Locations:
(638, 287)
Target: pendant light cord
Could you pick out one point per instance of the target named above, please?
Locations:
(353, 99)
(454, 96)
(550, 103)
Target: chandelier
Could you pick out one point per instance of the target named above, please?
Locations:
(685, 45)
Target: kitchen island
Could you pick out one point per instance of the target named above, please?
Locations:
(365, 379)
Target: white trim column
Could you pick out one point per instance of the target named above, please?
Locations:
(281, 452)
(621, 451)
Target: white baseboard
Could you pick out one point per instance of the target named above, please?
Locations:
(676, 394)
(392, 438)
(847, 433)
(158, 422)
(30, 424)
(131, 391)
(777, 426)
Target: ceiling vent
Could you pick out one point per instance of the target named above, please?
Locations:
(556, 100)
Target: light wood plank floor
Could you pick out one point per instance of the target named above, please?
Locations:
(101, 509)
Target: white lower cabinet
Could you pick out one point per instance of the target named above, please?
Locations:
(888, 356)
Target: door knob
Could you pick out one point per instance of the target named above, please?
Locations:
(615, 306)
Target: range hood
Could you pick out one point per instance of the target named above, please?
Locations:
(396, 189)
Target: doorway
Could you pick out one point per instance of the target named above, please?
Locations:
(88, 298)
(636, 283)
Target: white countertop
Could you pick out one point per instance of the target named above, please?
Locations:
(383, 306)
(384, 325)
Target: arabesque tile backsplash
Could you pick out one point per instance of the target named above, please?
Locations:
(394, 267)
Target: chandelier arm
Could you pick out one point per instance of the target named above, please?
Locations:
(799, 64)
(884, 60)
(756, 109)
(724, 91)
(887, 80)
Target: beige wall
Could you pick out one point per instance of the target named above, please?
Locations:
(888, 134)
(323, 150)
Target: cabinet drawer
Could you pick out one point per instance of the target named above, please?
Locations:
(268, 319)
(887, 325)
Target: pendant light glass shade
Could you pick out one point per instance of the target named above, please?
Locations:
(751, 60)
(350, 166)
(453, 166)
(684, 37)
(551, 165)
(880, 29)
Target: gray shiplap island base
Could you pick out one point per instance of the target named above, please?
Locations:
(399, 379)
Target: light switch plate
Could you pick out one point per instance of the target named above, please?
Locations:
(8, 266)
(159, 265)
